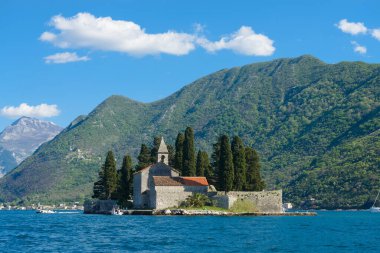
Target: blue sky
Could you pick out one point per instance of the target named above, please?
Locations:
(62, 58)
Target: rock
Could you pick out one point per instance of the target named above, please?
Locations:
(167, 212)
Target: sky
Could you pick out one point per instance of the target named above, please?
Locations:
(60, 59)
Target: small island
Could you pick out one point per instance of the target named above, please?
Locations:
(157, 188)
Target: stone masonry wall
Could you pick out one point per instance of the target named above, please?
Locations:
(172, 196)
(265, 201)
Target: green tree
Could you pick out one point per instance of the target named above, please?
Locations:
(154, 150)
(240, 167)
(203, 164)
(216, 179)
(110, 175)
(125, 181)
(99, 189)
(226, 166)
(171, 155)
(178, 157)
(254, 181)
(189, 153)
(144, 158)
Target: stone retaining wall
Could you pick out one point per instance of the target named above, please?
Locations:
(264, 201)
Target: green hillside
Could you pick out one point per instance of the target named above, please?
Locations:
(315, 125)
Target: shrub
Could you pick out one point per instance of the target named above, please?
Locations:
(196, 200)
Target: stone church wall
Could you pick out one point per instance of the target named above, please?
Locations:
(172, 196)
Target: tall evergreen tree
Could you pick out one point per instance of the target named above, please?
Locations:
(125, 181)
(217, 178)
(171, 155)
(154, 150)
(144, 158)
(110, 175)
(240, 167)
(200, 165)
(178, 158)
(203, 165)
(254, 181)
(226, 165)
(189, 153)
(99, 189)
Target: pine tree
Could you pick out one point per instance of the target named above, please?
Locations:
(226, 165)
(99, 189)
(178, 158)
(171, 155)
(154, 150)
(189, 153)
(125, 181)
(240, 167)
(110, 175)
(144, 158)
(254, 181)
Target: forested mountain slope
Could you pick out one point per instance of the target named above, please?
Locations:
(314, 124)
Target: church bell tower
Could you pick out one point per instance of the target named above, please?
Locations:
(163, 153)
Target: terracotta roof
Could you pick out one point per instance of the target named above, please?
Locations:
(194, 181)
(179, 181)
(166, 181)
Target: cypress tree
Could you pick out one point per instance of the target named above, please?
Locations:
(125, 181)
(226, 165)
(154, 150)
(110, 175)
(178, 158)
(240, 167)
(203, 165)
(188, 153)
(144, 158)
(217, 178)
(254, 181)
(200, 166)
(171, 155)
(98, 189)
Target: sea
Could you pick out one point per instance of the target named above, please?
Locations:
(329, 231)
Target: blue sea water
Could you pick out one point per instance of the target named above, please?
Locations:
(26, 231)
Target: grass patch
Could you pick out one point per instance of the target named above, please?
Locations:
(243, 206)
(206, 208)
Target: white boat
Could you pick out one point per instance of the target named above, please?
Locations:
(44, 211)
(375, 209)
(116, 212)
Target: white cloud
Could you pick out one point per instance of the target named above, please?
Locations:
(65, 58)
(84, 30)
(87, 31)
(351, 27)
(376, 33)
(244, 41)
(358, 48)
(39, 111)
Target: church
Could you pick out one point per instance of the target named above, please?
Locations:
(160, 186)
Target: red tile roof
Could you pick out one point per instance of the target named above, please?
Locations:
(179, 181)
(194, 181)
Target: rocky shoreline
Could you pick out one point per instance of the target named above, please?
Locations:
(184, 212)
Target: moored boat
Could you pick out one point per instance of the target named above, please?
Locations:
(375, 209)
(42, 211)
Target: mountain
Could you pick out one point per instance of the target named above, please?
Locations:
(22, 138)
(315, 125)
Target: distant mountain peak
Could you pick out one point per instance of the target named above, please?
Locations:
(22, 138)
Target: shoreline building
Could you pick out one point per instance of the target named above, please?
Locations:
(160, 186)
